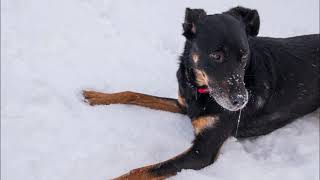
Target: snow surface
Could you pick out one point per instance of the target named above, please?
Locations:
(51, 50)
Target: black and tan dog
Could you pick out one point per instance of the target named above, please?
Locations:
(226, 71)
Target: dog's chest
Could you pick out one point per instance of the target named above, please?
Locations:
(201, 105)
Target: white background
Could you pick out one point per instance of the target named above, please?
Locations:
(53, 49)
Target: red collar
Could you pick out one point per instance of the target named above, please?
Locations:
(203, 90)
(199, 90)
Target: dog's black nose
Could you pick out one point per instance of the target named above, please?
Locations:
(237, 100)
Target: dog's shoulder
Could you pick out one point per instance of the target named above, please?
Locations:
(304, 45)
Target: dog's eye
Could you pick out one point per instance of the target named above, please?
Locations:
(217, 56)
(244, 56)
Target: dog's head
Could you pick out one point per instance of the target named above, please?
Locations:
(220, 52)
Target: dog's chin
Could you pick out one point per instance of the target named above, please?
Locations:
(225, 102)
(229, 106)
(234, 108)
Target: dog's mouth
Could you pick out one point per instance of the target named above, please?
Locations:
(229, 93)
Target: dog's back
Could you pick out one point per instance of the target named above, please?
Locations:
(293, 65)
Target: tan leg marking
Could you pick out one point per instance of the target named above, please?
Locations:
(181, 101)
(201, 123)
(201, 78)
(141, 174)
(127, 97)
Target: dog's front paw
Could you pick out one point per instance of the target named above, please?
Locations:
(140, 174)
(95, 98)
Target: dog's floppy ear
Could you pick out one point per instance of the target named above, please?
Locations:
(192, 17)
(249, 17)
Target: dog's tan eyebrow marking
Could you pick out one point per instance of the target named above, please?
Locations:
(201, 77)
(195, 57)
(201, 123)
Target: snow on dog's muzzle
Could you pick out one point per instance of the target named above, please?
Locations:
(232, 100)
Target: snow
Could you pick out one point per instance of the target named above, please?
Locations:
(51, 50)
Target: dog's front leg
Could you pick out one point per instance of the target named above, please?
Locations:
(211, 132)
(134, 98)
